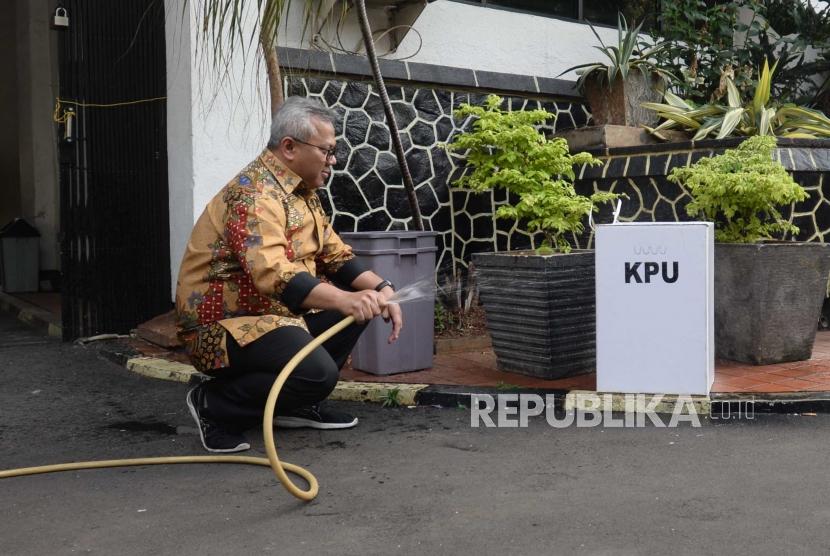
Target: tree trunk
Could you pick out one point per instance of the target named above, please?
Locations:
(390, 116)
(272, 68)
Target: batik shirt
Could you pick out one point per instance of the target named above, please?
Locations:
(252, 258)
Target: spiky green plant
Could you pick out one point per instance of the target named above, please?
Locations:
(757, 117)
(741, 190)
(391, 398)
(630, 54)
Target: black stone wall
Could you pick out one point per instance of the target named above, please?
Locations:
(366, 190)
(641, 172)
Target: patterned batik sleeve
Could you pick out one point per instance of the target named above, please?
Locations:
(255, 230)
(336, 259)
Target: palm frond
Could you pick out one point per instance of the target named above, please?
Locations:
(730, 121)
(709, 125)
(733, 96)
(225, 25)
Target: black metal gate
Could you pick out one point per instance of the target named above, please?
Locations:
(115, 252)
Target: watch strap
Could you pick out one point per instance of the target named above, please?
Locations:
(383, 285)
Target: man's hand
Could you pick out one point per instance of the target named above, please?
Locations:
(363, 305)
(392, 311)
(365, 284)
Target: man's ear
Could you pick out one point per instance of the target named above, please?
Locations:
(288, 148)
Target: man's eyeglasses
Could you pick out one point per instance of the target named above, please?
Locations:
(330, 153)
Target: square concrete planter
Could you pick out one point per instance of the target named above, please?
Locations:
(620, 104)
(540, 311)
(768, 300)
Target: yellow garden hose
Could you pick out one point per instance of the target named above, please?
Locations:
(271, 461)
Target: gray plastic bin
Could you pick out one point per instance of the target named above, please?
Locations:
(401, 257)
(19, 266)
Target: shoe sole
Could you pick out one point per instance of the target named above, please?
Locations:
(239, 448)
(300, 423)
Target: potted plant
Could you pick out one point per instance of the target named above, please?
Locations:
(539, 305)
(616, 89)
(768, 293)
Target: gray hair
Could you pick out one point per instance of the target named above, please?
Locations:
(293, 119)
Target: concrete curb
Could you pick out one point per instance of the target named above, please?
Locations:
(783, 402)
(717, 402)
(589, 400)
(32, 315)
(152, 367)
(378, 392)
(454, 396)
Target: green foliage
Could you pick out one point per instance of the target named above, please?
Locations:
(806, 19)
(628, 55)
(701, 47)
(448, 317)
(505, 150)
(699, 38)
(391, 398)
(442, 317)
(740, 191)
(787, 30)
(760, 115)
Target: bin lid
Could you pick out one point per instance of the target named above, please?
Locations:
(19, 228)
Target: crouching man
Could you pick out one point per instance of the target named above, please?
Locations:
(248, 296)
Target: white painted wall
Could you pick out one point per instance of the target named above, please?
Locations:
(335, 36)
(215, 125)
(464, 35)
(180, 176)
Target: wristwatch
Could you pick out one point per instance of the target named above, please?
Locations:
(384, 284)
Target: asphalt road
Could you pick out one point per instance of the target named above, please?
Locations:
(405, 481)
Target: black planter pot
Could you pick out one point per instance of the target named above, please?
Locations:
(768, 300)
(540, 311)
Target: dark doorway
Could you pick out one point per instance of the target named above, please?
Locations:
(115, 249)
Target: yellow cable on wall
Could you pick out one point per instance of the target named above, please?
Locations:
(61, 118)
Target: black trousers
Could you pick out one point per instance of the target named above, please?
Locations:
(237, 394)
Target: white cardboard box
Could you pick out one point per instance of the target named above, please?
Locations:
(655, 307)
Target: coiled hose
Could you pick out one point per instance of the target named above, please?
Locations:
(280, 468)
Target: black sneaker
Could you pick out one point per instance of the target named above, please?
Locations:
(214, 437)
(315, 417)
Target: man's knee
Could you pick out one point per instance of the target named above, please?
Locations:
(332, 375)
(319, 375)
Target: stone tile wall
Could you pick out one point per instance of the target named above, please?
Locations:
(366, 190)
(641, 172)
